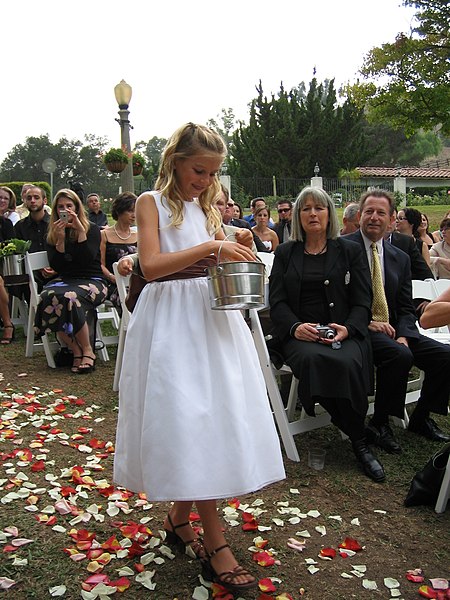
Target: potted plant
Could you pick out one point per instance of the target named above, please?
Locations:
(115, 160)
(138, 163)
(12, 253)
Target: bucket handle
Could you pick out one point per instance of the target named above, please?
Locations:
(221, 246)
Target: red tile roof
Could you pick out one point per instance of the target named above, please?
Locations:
(416, 172)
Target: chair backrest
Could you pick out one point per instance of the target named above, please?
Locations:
(267, 259)
(423, 289)
(122, 283)
(33, 262)
(441, 285)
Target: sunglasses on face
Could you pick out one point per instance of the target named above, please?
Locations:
(401, 219)
(230, 204)
(283, 210)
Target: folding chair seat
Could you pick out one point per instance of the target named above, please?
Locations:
(122, 287)
(33, 262)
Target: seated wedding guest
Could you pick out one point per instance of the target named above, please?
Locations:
(283, 227)
(424, 233)
(268, 237)
(22, 209)
(350, 218)
(437, 313)
(73, 248)
(8, 204)
(6, 233)
(317, 279)
(34, 226)
(225, 206)
(237, 211)
(396, 342)
(96, 215)
(118, 240)
(440, 252)
(408, 222)
(254, 204)
(437, 235)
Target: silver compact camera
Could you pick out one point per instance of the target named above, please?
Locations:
(328, 333)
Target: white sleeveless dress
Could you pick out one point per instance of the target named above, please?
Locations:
(194, 419)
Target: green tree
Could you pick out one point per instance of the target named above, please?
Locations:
(407, 82)
(75, 161)
(288, 133)
(152, 151)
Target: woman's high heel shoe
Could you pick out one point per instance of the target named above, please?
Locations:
(195, 545)
(227, 579)
(75, 367)
(84, 367)
(7, 340)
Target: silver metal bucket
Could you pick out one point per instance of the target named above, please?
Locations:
(236, 285)
(14, 264)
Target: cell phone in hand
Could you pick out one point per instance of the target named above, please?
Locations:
(64, 216)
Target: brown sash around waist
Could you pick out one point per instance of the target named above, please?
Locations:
(198, 269)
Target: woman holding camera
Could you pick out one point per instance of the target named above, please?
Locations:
(319, 279)
(73, 248)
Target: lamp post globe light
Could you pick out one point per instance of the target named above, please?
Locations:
(122, 92)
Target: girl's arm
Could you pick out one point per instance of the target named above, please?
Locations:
(156, 264)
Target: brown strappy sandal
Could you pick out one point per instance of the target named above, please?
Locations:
(226, 578)
(195, 545)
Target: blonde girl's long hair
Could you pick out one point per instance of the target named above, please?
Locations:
(189, 140)
(79, 209)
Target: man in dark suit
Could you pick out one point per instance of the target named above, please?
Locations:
(396, 342)
(283, 227)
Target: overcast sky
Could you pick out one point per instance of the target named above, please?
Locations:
(185, 60)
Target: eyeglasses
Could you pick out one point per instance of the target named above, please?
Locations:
(401, 219)
(231, 204)
(283, 210)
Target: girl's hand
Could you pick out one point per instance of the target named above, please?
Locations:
(233, 251)
(125, 266)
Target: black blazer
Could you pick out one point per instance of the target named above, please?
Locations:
(397, 286)
(419, 267)
(347, 286)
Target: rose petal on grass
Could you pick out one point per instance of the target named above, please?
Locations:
(346, 576)
(21, 542)
(355, 521)
(57, 591)
(278, 522)
(313, 513)
(350, 544)
(321, 529)
(266, 585)
(200, 593)
(369, 585)
(391, 583)
(312, 569)
(327, 553)
(145, 579)
(6, 583)
(437, 583)
(305, 533)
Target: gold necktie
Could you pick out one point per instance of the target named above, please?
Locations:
(380, 311)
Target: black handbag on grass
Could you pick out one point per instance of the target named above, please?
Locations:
(426, 483)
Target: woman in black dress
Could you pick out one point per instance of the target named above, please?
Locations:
(118, 241)
(73, 248)
(317, 279)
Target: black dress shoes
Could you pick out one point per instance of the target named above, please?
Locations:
(372, 467)
(383, 437)
(428, 428)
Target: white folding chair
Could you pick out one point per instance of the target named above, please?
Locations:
(444, 493)
(122, 287)
(19, 313)
(34, 262)
(283, 416)
(106, 312)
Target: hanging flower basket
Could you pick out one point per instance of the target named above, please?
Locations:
(115, 160)
(116, 166)
(138, 163)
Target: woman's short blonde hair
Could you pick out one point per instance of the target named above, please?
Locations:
(79, 209)
(189, 140)
(321, 198)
